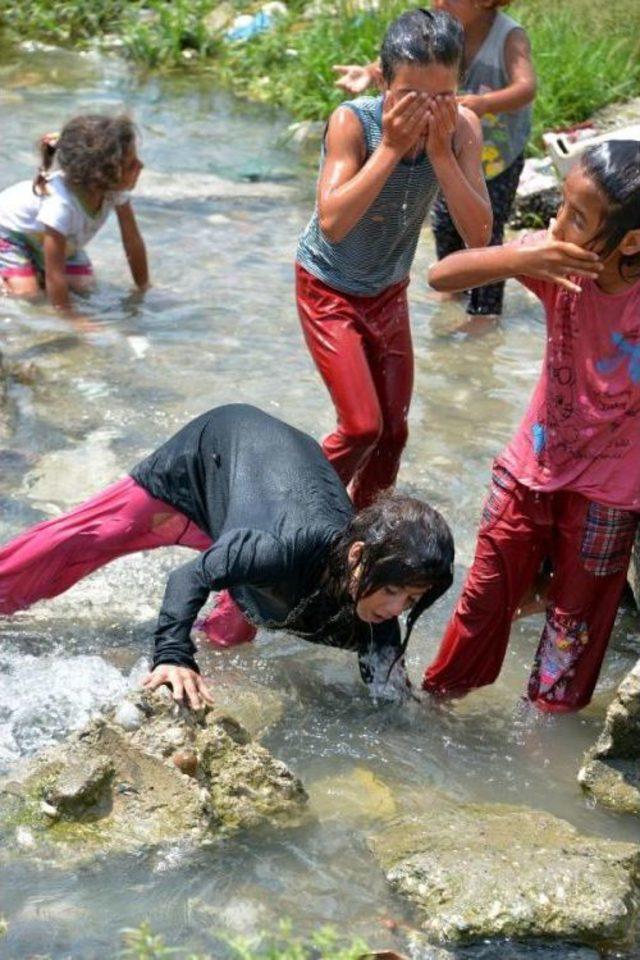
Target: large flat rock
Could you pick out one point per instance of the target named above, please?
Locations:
(478, 872)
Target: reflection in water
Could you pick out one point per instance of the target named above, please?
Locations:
(219, 325)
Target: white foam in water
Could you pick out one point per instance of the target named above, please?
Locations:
(139, 346)
(44, 698)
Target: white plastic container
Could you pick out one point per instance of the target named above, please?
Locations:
(565, 148)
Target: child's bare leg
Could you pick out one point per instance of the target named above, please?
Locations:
(26, 287)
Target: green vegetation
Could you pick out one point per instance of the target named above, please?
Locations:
(66, 21)
(168, 33)
(587, 53)
(142, 944)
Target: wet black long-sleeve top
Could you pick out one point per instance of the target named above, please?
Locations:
(272, 505)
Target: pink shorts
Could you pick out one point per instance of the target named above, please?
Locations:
(20, 258)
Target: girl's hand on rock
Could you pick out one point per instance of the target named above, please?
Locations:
(186, 684)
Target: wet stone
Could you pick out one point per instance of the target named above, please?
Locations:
(489, 871)
(421, 949)
(81, 786)
(611, 769)
(178, 776)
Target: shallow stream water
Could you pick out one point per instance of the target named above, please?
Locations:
(220, 203)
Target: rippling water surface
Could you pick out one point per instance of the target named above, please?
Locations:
(221, 203)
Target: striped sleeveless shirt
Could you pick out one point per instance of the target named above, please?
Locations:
(380, 248)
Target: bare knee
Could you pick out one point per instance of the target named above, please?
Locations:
(27, 288)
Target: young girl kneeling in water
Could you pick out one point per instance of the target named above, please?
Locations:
(275, 527)
(45, 225)
(567, 486)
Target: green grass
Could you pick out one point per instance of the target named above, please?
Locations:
(142, 944)
(67, 21)
(587, 52)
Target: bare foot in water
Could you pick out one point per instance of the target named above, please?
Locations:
(446, 296)
(478, 325)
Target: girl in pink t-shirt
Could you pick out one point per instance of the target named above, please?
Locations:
(567, 486)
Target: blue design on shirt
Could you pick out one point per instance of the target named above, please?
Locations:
(624, 349)
(539, 438)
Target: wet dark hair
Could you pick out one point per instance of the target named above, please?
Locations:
(90, 150)
(406, 543)
(421, 37)
(614, 167)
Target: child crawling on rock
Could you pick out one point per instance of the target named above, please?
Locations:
(274, 526)
(567, 486)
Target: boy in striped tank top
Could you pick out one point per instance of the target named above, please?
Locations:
(383, 160)
(499, 86)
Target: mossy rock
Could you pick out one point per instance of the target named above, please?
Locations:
(491, 871)
(178, 775)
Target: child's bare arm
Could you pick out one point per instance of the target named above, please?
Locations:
(133, 244)
(356, 79)
(454, 146)
(521, 89)
(55, 255)
(348, 184)
(551, 260)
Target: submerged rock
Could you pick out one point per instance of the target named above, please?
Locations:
(178, 775)
(611, 771)
(492, 871)
(169, 187)
(358, 796)
(421, 949)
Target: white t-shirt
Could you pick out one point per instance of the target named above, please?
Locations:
(24, 212)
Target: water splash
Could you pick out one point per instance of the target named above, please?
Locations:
(44, 698)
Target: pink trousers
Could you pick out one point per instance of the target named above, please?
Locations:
(52, 556)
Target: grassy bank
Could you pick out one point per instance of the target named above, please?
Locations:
(587, 53)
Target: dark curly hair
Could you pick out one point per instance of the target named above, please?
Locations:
(406, 543)
(90, 150)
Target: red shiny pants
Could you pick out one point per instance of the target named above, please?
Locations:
(589, 545)
(362, 349)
